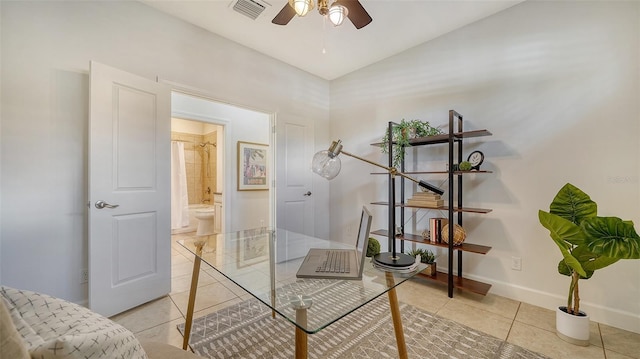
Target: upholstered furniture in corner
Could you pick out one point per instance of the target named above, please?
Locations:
(34, 325)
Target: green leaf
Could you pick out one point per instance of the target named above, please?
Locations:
(564, 269)
(599, 263)
(611, 237)
(585, 257)
(564, 234)
(562, 231)
(572, 204)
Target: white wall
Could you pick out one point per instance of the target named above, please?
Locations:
(45, 52)
(557, 83)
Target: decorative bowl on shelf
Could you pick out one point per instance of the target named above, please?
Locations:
(459, 234)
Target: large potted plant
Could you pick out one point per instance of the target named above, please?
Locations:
(587, 243)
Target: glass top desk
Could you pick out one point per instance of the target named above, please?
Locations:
(264, 263)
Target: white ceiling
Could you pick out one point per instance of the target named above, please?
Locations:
(397, 26)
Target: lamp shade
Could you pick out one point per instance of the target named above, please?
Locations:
(326, 165)
(337, 14)
(302, 7)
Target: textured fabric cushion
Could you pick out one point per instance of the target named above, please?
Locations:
(54, 328)
(11, 344)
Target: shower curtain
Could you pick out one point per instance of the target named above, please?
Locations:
(179, 197)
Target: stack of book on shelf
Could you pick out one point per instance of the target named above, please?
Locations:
(435, 229)
(426, 199)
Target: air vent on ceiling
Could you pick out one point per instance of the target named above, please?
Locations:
(249, 8)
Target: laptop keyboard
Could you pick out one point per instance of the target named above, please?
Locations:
(336, 262)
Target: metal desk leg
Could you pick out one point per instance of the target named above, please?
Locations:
(272, 271)
(397, 319)
(192, 295)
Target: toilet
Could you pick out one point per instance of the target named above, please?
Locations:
(205, 221)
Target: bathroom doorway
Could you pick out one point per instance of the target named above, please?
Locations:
(238, 209)
(197, 175)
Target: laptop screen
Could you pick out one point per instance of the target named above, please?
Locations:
(363, 231)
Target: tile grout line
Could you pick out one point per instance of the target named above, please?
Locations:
(604, 351)
(513, 321)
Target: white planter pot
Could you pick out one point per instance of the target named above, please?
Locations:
(573, 329)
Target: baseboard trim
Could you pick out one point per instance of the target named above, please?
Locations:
(609, 316)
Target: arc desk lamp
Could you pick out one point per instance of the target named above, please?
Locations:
(326, 163)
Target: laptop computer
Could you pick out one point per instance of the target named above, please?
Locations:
(339, 263)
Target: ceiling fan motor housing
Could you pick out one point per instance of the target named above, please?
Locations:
(354, 11)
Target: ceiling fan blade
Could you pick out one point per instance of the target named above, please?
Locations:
(357, 14)
(284, 16)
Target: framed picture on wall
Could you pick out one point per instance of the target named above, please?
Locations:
(252, 166)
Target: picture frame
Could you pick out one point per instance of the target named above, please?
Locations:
(252, 247)
(253, 166)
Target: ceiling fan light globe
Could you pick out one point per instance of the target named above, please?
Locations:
(302, 7)
(337, 14)
(325, 165)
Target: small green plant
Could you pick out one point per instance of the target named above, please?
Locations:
(373, 247)
(402, 133)
(465, 166)
(426, 256)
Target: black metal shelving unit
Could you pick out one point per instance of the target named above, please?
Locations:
(454, 139)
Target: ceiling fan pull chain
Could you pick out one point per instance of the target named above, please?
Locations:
(324, 35)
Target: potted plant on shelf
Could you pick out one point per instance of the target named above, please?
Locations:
(587, 243)
(427, 257)
(402, 133)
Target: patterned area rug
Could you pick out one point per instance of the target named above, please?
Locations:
(246, 330)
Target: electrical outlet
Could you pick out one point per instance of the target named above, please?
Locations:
(516, 263)
(84, 276)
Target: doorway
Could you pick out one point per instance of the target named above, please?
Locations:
(197, 175)
(137, 197)
(241, 209)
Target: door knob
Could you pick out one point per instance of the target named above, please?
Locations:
(307, 194)
(102, 204)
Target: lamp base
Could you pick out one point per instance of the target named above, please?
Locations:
(400, 260)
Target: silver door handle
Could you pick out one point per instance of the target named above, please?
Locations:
(307, 194)
(102, 204)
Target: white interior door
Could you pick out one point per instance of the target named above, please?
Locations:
(129, 167)
(294, 192)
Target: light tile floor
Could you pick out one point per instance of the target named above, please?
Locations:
(519, 323)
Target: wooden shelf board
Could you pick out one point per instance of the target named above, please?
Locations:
(470, 172)
(434, 172)
(444, 138)
(466, 247)
(475, 133)
(442, 208)
(466, 284)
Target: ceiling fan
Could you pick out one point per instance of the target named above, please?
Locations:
(338, 10)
